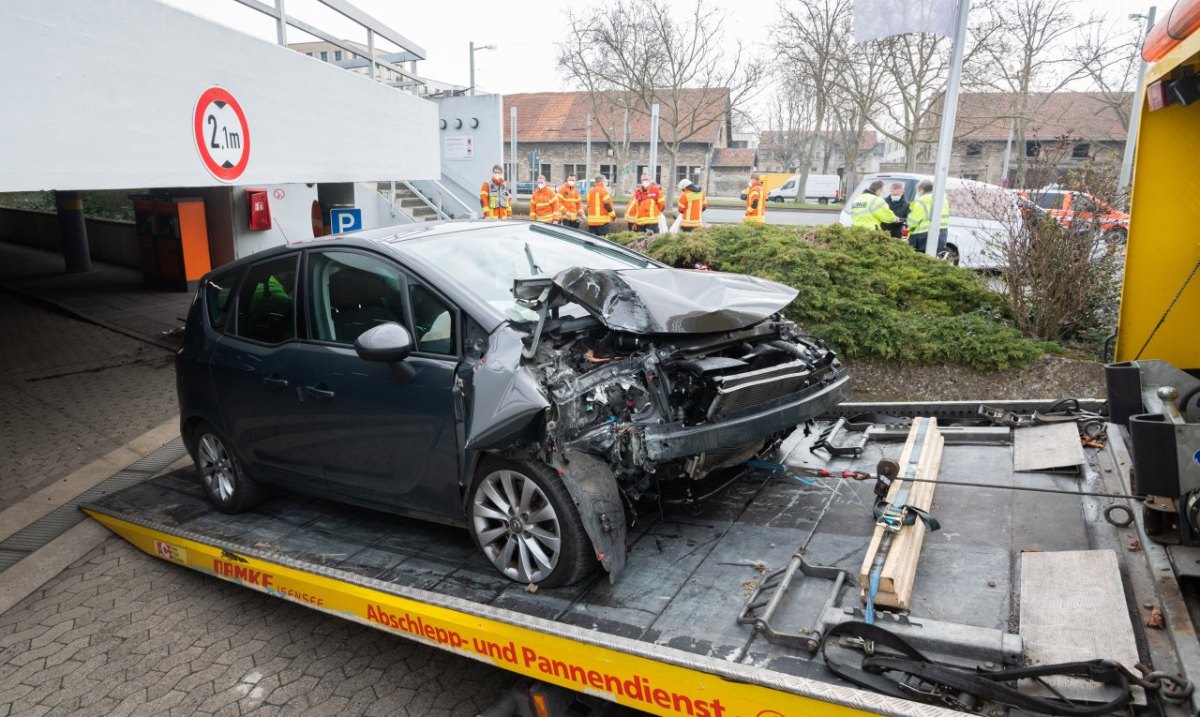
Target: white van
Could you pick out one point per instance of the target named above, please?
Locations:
(982, 216)
(822, 188)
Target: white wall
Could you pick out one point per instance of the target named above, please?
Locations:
(487, 137)
(101, 95)
(291, 217)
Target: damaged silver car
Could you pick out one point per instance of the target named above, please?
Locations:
(533, 384)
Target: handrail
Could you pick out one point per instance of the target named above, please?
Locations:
(420, 195)
(471, 212)
(373, 27)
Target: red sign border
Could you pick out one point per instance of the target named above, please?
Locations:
(221, 173)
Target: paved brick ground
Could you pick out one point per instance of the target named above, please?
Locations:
(70, 392)
(120, 633)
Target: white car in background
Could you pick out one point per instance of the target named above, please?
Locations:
(982, 216)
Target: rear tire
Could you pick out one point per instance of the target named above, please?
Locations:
(221, 474)
(524, 520)
(949, 254)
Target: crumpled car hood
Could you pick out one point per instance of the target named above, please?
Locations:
(659, 301)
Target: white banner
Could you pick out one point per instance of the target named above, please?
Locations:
(874, 19)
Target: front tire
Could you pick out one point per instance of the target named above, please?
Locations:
(523, 519)
(221, 473)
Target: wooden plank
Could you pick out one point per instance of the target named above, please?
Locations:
(893, 491)
(1073, 608)
(900, 566)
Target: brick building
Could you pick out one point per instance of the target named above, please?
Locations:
(554, 126)
(1092, 124)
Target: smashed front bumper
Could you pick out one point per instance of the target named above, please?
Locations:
(668, 441)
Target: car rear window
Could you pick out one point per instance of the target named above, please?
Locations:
(1048, 200)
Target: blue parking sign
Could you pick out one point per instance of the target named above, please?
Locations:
(345, 220)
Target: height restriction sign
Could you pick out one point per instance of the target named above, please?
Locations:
(221, 133)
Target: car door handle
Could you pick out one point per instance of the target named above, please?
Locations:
(275, 381)
(321, 394)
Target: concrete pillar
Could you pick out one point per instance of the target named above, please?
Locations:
(72, 232)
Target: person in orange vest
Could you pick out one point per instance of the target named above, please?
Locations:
(568, 200)
(691, 204)
(756, 202)
(494, 197)
(600, 211)
(543, 204)
(631, 215)
(649, 202)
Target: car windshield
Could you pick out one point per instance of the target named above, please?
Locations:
(487, 261)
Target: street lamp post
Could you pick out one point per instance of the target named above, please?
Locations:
(473, 51)
(1135, 117)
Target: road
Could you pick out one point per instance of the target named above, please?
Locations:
(731, 215)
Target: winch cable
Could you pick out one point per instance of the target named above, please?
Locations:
(1170, 306)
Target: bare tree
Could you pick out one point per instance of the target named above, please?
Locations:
(808, 37)
(1029, 50)
(859, 95)
(789, 118)
(1111, 56)
(635, 54)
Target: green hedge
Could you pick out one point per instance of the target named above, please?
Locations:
(864, 293)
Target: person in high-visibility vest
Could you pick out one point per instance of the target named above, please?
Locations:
(494, 197)
(543, 204)
(568, 201)
(600, 212)
(631, 215)
(920, 217)
(691, 204)
(756, 202)
(869, 209)
(649, 202)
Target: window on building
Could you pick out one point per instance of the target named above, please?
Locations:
(1083, 150)
(973, 176)
(641, 169)
(309, 54)
(545, 172)
(579, 170)
(324, 56)
(974, 149)
(1033, 148)
(337, 55)
(688, 172)
(609, 171)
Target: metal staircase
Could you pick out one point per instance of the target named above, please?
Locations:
(409, 200)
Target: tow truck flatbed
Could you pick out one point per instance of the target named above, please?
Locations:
(665, 638)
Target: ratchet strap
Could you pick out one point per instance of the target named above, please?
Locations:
(902, 671)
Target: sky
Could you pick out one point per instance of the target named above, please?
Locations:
(524, 33)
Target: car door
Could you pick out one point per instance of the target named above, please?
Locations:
(386, 431)
(254, 376)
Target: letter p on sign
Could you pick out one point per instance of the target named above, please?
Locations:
(345, 220)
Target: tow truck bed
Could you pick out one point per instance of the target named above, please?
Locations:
(665, 637)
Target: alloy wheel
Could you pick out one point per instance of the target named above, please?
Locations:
(516, 525)
(216, 467)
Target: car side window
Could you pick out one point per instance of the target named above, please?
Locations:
(217, 294)
(434, 322)
(352, 292)
(1049, 200)
(266, 301)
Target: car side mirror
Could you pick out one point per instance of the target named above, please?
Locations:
(385, 342)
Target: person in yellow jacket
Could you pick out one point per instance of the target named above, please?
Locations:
(756, 202)
(494, 197)
(600, 212)
(920, 217)
(691, 204)
(569, 203)
(543, 204)
(869, 209)
(631, 215)
(649, 202)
